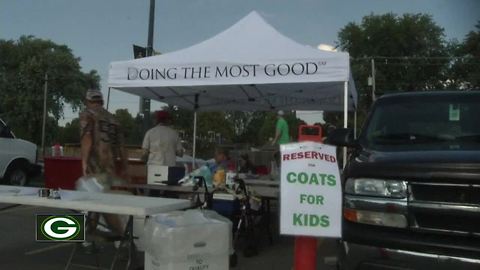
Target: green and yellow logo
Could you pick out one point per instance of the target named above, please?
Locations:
(65, 228)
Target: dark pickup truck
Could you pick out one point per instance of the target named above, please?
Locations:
(412, 184)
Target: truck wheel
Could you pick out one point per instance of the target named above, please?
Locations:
(17, 175)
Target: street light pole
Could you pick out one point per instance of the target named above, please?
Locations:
(145, 101)
(151, 21)
(373, 80)
(45, 90)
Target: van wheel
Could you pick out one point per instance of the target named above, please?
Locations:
(233, 260)
(17, 176)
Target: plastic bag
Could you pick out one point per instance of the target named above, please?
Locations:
(90, 184)
(192, 239)
(203, 171)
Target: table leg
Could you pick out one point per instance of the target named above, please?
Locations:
(269, 225)
(70, 258)
(131, 245)
(9, 207)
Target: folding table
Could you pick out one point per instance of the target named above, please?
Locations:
(96, 202)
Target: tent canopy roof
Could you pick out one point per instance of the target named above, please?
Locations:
(249, 66)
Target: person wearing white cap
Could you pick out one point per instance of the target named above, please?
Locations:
(282, 135)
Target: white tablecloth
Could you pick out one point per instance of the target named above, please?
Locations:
(95, 202)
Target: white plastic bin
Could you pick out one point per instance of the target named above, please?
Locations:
(190, 240)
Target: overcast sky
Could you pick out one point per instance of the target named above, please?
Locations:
(103, 31)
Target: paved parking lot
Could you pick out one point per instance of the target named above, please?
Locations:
(19, 251)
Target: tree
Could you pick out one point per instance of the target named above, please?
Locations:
(70, 134)
(129, 127)
(466, 67)
(209, 124)
(409, 51)
(137, 133)
(253, 128)
(23, 65)
(240, 121)
(249, 128)
(267, 129)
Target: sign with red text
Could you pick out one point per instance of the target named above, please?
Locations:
(311, 195)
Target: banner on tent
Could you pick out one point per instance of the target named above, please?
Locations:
(311, 196)
(232, 71)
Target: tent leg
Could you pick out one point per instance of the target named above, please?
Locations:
(108, 97)
(345, 118)
(194, 138)
(355, 124)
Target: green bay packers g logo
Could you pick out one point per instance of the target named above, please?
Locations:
(61, 228)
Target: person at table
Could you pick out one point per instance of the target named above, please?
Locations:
(222, 161)
(102, 153)
(246, 165)
(281, 130)
(162, 144)
(221, 166)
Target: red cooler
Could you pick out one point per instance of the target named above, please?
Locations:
(62, 172)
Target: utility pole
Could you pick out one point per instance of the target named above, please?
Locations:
(151, 21)
(145, 102)
(45, 90)
(373, 81)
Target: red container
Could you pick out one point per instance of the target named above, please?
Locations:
(62, 172)
(261, 170)
(309, 133)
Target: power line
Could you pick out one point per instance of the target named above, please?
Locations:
(411, 57)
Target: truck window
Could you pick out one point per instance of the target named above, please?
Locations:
(433, 122)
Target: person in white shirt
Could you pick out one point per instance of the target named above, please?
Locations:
(162, 144)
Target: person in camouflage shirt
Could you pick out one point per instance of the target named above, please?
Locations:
(102, 139)
(102, 152)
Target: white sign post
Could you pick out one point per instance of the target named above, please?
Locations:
(311, 195)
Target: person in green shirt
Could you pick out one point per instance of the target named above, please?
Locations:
(281, 130)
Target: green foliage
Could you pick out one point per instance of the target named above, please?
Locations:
(252, 132)
(137, 134)
(465, 71)
(253, 128)
(132, 129)
(23, 65)
(267, 128)
(209, 124)
(182, 120)
(409, 51)
(70, 134)
(388, 39)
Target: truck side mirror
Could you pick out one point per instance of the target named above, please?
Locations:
(341, 137)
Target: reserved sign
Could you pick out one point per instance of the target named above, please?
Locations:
(311, 194)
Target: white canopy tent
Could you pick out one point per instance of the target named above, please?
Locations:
(248, 67)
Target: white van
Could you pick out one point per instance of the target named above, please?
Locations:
(18, 158)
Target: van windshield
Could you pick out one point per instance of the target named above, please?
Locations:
(425, 122)
(5, 131)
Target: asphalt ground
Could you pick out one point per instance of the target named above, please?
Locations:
(20, 251)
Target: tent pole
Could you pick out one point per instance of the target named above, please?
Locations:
(194, 138)
(355, 124)
(108, 97)
(194, 154)
(345, 118)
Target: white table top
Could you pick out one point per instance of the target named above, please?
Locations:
(96, 202)
(266, 192)
(179, 189)
(259, 182)
(272, 192)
